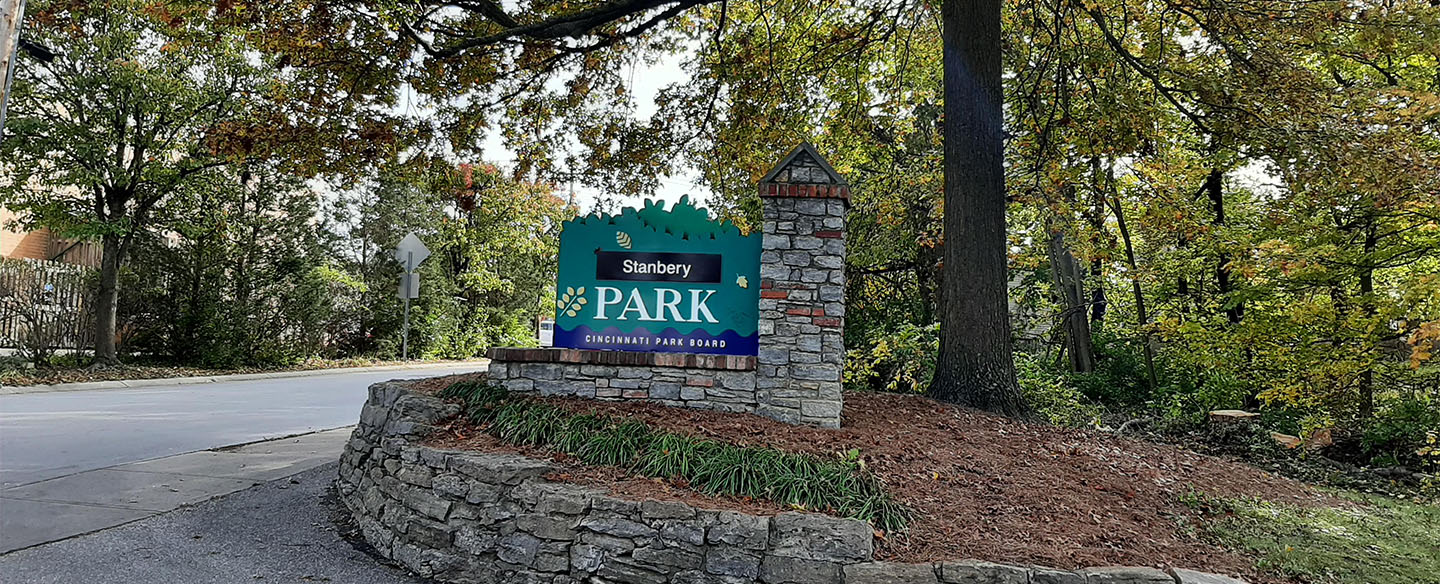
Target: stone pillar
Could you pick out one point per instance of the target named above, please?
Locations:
(801, 360)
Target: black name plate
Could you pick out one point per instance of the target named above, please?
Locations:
(657, 266)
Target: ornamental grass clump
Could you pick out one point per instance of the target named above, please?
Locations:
(841, 485)
(478, 398)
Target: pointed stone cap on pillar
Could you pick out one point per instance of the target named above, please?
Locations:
(804, 173)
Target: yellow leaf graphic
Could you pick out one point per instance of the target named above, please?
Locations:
(623, 239)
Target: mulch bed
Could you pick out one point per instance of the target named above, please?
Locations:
(983, 486)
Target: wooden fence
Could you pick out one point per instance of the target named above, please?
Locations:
(46, 305)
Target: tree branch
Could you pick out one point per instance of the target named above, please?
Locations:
(558, 27)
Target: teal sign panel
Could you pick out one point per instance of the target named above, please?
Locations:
(652, 279)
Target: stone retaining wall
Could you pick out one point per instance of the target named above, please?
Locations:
(470, 517)
(719, 382)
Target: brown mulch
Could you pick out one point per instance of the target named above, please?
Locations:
(433, 385)
(983, 486)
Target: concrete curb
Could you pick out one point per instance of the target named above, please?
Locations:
(479, 364)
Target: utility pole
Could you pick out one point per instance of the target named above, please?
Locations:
(11, 11)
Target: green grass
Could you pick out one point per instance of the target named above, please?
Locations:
(1378, 541)
(841, 485)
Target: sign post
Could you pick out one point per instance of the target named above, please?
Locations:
(409, 253)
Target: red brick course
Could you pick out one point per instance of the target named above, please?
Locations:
(806, 191)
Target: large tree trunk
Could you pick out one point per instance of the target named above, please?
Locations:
(975, 367)
(107, 300)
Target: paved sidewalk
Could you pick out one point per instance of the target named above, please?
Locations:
(49, 435)
(477, 364)
(70, 505)
(276, 532)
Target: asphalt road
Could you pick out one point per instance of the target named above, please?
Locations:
(48, 435)
(275, 532)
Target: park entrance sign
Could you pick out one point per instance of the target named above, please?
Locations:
(657, 280)
(668, 306)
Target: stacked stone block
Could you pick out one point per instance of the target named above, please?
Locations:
(471, 517)
(724, 383)
(802, 305)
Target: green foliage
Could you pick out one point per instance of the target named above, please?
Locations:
(1402, 429)
(248, 277)
(676, 456)
(841, 485)
(159, 134)
(1053, 394)
(902, 361)
(494, 244)
(1430, 460)
(124, 81)
(619, 444)
(242, 282)
(1376, 540)
(528, 423)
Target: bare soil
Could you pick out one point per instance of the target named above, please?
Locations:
(983, 486)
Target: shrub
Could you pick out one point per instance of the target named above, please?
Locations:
(1120, 377)
(902, 361)
(1053, 396)
(1400, 429)
(1430, 460)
